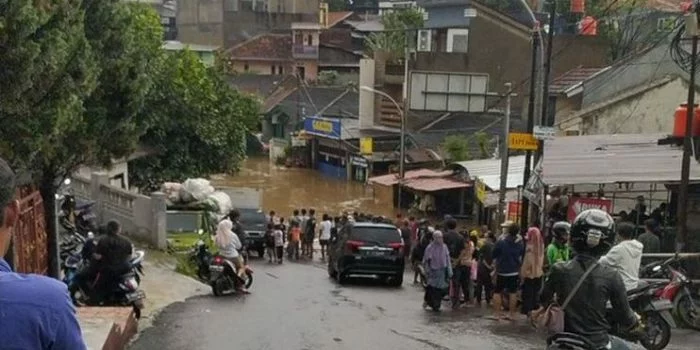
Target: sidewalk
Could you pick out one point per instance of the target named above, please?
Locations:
(111, 328)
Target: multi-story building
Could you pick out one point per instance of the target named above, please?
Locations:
(225, 23)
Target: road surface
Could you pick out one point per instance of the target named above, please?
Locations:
(296, 306)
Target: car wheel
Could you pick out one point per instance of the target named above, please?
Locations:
(261, 253)
(397, 280)
(332, 273)
(341, 277)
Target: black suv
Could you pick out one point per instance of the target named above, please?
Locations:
(254, 224)
(365, 248)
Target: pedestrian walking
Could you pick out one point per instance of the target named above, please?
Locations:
(532, 270)
(294, 241)
(302, 224)
(456, 244)
(507, 254)
(406, 236)
(325, 234)
(279, 243)
(310, 234)
(270, 243)
(438, 267)
(484, 283)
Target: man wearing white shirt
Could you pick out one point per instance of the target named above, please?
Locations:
(325, 236)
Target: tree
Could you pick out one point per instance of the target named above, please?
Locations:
(200, 124)
(397, 24)
(456, 147)
(74, 76)
(338, 5)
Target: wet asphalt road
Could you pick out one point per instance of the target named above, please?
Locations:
(296, 306)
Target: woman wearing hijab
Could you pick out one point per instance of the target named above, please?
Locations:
(532, 270)
(229, 244)
(438, 267)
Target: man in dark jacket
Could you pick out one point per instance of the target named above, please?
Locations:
(508, 256)
(456, 243)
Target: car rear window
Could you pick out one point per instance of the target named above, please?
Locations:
(382, 235)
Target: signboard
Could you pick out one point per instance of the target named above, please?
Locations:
(480, 190)
(534, 186)
(513, 213)
(358, 161)
(544, 132)
(577, 205)
(522, 142)
(328, 128)
(366, 145)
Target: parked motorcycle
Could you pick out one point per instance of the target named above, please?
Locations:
(569, 341)
(224, 277)
(201, 257)
(84, 220)
(680, 290)
(656, 317)
(124, 293)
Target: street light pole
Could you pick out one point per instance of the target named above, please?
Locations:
(682, 240)
(402, 150)
(525, 203)
(504, 159)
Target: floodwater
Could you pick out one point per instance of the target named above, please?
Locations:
(285, 189)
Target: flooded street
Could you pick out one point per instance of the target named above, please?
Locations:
(285, 189)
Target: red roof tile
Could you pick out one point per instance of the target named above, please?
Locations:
(336, 17)
(571, 78)
(271, 47)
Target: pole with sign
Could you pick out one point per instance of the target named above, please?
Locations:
(522, 142)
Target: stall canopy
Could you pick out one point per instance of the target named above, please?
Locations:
(606, 159)
(423, 180)
(489, 171)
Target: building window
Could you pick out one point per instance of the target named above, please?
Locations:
(310, 40)
(457, 40)
(246, 67)
(272, 70)
(278, 131)
(280, 70)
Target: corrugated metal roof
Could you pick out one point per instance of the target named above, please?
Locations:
(366, 26)
(569, 79)
(393, 179)
(435, 184)
(602, 159)
(489, 171)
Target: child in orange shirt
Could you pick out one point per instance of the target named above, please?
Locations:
(294, 239)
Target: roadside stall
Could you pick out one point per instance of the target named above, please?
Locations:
(631, 176)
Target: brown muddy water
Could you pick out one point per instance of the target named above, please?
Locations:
(285, 189)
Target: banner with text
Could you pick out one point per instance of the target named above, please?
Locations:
(577, 205)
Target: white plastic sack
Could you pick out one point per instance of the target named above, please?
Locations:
(172, 191)
(221, 201)
(196, 189)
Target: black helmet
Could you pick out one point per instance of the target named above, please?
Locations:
(561, 229)
(593, 232)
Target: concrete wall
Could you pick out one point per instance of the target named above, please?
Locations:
(646, 113)
(142, 217)
(118, 169)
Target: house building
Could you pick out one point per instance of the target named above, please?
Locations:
(167, 10)
(225, 23)
(206, 53)
(635, 95)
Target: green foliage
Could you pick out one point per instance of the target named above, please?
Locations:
(456, 147)
(199, 123)
(393, 39)
(338, 5)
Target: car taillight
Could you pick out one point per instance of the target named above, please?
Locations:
(354, 245)
(396, 246)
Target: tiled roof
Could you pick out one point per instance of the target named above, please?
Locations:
(276, 47)
(261, 85)
(336, 17)
(571, 78)
(311, 99)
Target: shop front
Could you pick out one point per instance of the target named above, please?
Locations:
(328, 154)
(359, 168)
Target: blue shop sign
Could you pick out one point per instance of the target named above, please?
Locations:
(328, 128)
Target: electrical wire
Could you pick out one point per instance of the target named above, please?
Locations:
(679, 54)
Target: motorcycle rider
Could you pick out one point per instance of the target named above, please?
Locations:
(109, 261)
(234, 216)
(592, 235)
(626, 256)
(229, 245)
(559, 249)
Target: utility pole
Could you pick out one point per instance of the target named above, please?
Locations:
(404, 114)
(525, 203)
(682, 240)
(504, 159)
